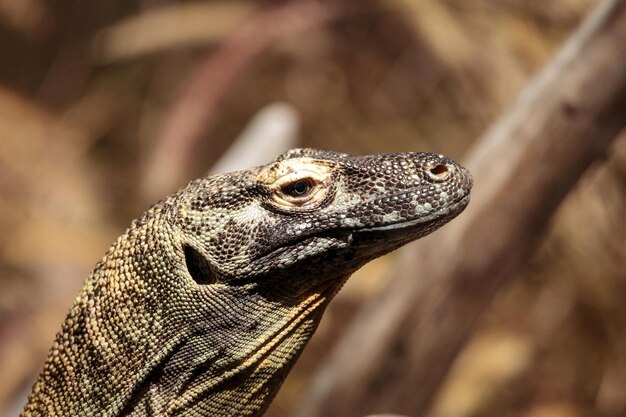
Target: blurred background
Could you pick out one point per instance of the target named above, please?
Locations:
(105, 107)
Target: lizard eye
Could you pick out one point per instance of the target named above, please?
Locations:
(299, 188)
(297, 185)
(299, 192)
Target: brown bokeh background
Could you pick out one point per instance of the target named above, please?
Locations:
(105, 106)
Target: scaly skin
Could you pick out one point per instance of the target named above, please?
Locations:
(203, 305)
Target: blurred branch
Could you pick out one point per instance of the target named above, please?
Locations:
(168, 27)
(496, 358)
(272, 131)
(198, 104)
(32, 18)
(105, 101)
(523, 167)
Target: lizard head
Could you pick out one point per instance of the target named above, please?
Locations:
(312, 213)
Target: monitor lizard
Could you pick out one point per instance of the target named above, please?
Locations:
(204, 304)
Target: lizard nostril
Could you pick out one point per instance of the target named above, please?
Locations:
(440, 171)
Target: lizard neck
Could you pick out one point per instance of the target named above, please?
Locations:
(245, 355)
(170, 357)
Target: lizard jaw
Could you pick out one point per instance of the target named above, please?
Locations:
(344, 238)
(456, 208)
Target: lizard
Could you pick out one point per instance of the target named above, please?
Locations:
(206, 301)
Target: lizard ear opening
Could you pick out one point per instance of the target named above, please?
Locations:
(198, 266)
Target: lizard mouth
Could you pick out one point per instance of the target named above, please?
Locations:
(344, 237)
(456, 207)
(314, 244)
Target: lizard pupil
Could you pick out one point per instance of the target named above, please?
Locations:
(300, 187)
(297, 188)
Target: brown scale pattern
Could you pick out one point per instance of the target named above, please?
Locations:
(202, 306)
